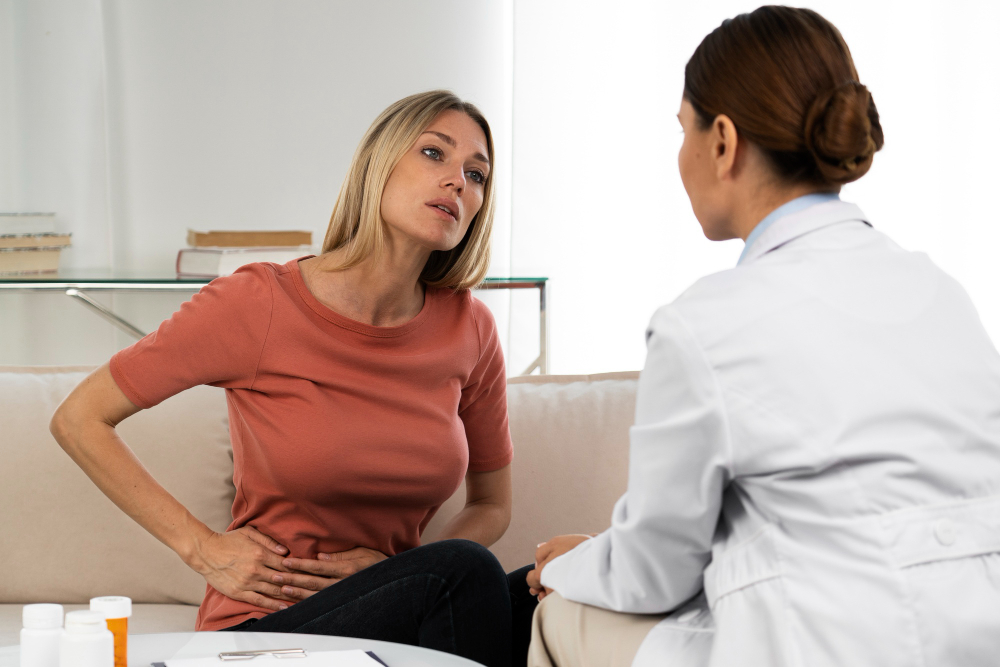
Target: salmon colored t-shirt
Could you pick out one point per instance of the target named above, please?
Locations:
(344, 435)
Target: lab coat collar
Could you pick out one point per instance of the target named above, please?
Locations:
(802, 222)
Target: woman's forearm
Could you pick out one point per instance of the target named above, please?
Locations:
(484, 523)
(84, 426)
(97, 448)
(486, 515)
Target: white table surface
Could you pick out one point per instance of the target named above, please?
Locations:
(145, 649)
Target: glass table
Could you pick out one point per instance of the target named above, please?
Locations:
(76, 283)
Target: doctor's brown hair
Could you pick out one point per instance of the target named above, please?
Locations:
(786, 79)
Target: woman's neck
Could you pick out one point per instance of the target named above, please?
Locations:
(381, 291)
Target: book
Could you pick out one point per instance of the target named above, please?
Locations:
(248, 239)
(34, 240)
(215, 262)
(29, 260)
(27, 223)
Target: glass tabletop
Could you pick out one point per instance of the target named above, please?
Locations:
(118, 276)
(101, 276)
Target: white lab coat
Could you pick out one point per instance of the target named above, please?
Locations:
(814, 473)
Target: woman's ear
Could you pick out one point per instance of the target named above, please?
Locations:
(724, 145)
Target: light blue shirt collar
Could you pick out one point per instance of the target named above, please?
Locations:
(794, 206)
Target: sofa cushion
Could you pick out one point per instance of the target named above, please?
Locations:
(69, 543)
(571, 442)
(65, 541)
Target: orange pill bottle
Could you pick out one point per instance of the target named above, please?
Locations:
(116, 611)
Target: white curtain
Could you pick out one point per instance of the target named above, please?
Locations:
(135, 121)
(53, 124)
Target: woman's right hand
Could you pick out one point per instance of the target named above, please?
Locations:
(240, 564)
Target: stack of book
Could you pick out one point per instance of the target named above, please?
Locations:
(29, 243)
(213, 254)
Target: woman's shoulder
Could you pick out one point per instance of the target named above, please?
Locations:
(250, 280)
(464, 312)
(464, 302)
(248, 276)
(248, 290)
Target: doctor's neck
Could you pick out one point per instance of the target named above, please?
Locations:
(752, 189)
(758, 203)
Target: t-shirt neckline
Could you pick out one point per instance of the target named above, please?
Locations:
(343, 322)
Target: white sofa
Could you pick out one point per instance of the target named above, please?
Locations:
(63, 541)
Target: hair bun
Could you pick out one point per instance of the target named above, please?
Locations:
(843, 132)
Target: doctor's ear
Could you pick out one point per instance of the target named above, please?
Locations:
(724, 145)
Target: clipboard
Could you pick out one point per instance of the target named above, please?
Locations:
(287, 658)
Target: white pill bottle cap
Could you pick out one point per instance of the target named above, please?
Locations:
(112, 606)
(85, 622)
(42, 616)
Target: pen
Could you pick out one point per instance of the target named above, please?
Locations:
(277, 653)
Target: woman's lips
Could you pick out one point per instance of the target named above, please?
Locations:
(447, 215)
(446, 206)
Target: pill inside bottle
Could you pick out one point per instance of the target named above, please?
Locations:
(116, 610)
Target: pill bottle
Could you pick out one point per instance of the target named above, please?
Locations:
(116, 610)
(86, 641)
(40, 636)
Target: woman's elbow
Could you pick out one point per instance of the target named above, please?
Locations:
(504, 517)
(96, 401)
(62, 424)
(498, 521)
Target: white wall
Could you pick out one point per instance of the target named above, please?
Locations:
(7, 161)
(58, 149)
(598, 204)
(139, 120)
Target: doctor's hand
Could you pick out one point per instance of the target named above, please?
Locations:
(239, 564)
(308, 576)
(546, 552)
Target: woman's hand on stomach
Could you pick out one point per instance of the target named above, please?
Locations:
(305, 577)
(240, 564)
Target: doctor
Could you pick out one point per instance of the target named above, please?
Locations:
(815, 464)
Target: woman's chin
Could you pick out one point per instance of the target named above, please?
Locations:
(441, 243)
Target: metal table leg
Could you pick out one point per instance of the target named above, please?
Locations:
(105, 313)
(541, 362)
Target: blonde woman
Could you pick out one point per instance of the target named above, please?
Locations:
(363, 385)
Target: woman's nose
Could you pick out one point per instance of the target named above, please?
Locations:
(455, 179)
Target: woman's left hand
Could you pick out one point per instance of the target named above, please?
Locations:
(325, 571)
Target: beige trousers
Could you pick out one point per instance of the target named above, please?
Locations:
(570, 634)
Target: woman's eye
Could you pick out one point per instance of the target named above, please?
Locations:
(432, 153)
(477, 176)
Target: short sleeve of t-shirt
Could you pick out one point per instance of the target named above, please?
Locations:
(483, 406)
(216, 338)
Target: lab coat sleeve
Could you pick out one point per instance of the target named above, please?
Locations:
(652, 558)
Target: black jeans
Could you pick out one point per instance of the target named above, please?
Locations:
(451, 596)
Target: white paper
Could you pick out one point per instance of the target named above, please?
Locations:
(355, 658)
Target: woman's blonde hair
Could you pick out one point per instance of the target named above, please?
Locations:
(356, 223)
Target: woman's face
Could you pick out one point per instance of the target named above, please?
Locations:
(437, 187)
(699, 174)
